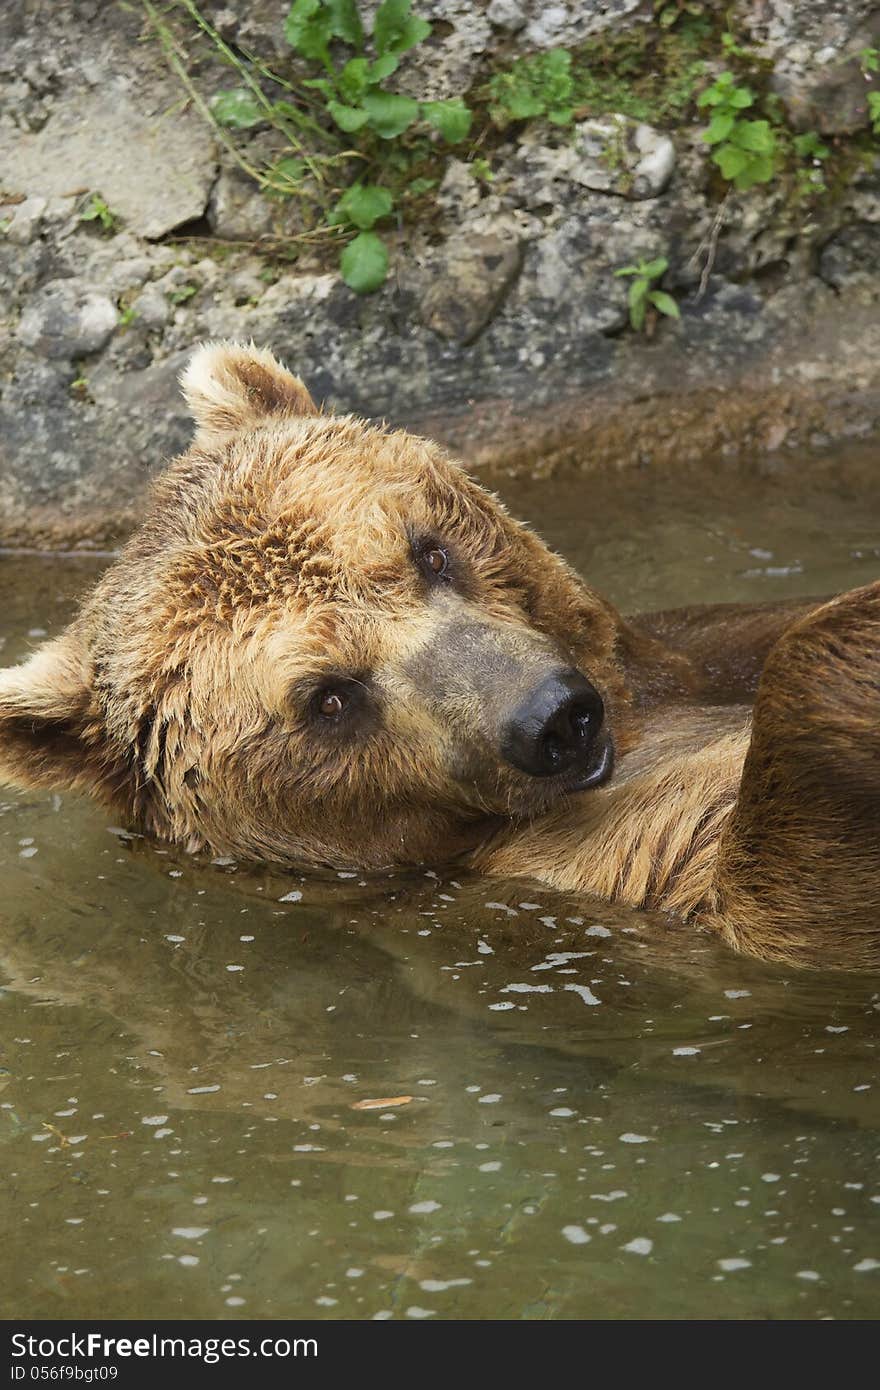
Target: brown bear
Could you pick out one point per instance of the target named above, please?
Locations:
(327, 645)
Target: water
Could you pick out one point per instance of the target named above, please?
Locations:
(596, 1114)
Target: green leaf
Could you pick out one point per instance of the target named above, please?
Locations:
(362, 205)
(520, 105)
(719, 128)
(760, 169)
(451, 118)
(238, 109)
(364, 263)
(311, 24)
(730, 160)
(627, 270)
(741, 97)
(348, 118)
(809, 146)
(383, 67)
(561, 116)
(637, 303)
(308, 29)
(652, 270)
(755, 136)
(396, 29)
(390, 114)
(420, 186)
(345, 21)
(354, 79)
(665, 304)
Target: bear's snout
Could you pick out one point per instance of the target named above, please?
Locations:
(557, 730)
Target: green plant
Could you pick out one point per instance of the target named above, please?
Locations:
(810, 147)
(95, 209)
(540, 85)
(354, 92)
(364, 262)
(643, 295)
(387, 132)
(744, 150)
(182, 293)
(870, 60)
(669, 12)
(127, 316)
(481, 170)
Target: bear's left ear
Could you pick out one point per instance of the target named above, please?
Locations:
(233, 386)
(44, 705)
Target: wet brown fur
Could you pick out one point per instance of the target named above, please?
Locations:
(280, 557)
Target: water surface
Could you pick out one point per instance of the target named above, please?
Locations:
(599, 1114)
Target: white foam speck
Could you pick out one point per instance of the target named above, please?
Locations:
(576, 1235)
(585, 992)
(640, 1246)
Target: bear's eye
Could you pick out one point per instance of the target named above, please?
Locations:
(330, 704)
(433, 560)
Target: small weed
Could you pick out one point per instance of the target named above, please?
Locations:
(539, 85)
(870, 60)
(95, 209)
(481, 170)
(127, 316)
(643, 295)
(182, 293)
(744, 150)
(870, 63)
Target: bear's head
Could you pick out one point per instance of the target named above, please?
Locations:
(325, 644)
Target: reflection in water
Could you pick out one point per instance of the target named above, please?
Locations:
(610, 1116)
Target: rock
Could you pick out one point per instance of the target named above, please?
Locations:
(236, 211)
(506, 14)
(445, 64)
(154, 171)
(67, 319)
(853, 253)
(25, 220)
(814, 48)
(151, 309)
(470, 281)
(561, 25)
(613, 155)
(832, 99)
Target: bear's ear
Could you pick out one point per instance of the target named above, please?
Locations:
(232, 386)
(43, 709)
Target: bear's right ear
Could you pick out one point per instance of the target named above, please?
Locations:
(233, 386)
(43, 714)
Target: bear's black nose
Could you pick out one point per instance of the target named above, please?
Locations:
(554, 730)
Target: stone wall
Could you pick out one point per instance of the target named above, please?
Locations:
(502, 328)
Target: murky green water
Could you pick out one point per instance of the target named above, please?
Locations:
(183, 1049)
